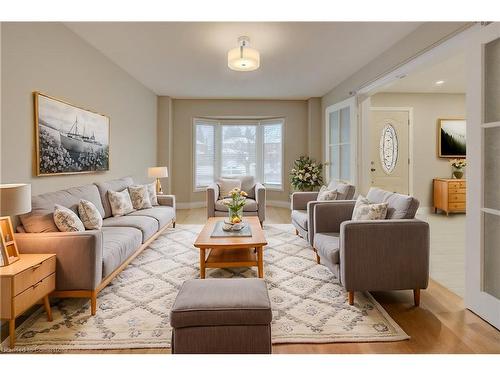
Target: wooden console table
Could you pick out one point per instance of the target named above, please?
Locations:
(449, 195)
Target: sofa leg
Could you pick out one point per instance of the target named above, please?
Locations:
(173, 224)
(351, 298)
(416, 297)
(318, 259)
(296, 232)
(93, 302)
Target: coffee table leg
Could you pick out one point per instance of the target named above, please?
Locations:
(260, 262)
(202, 263)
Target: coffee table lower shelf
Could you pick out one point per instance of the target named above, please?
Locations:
(227, 258)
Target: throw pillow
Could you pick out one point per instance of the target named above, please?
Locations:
(366, 210)
(139, 196)
(327, 195)
(89, 214)
(226, 185)
(120, 202)
(66, 220)
(152, 193)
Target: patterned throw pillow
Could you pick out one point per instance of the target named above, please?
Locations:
(327, 195)
(365, 210)
(152, 193)
(120, 202)
(226, 185)
(140, 197)
(66, 220)
(89, 214)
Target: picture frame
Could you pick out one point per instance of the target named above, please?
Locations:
(8, 246)
(69, 139)
(451, 138)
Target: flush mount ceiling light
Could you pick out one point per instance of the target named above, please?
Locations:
(439, 83)
(243, 58)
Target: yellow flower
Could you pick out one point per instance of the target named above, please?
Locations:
(243, 194)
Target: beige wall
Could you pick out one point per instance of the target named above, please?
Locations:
(427, 109)
(314, 134)
(164, 137)
(295, 113)
(50, 58)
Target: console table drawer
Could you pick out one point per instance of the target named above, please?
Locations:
(459, 206)
(33, 294)
(33, 275)
(457, 191)
(456, 198)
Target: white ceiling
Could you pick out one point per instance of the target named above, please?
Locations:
(451, 71)
(189, 59)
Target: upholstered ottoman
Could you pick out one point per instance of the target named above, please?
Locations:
(222, 316)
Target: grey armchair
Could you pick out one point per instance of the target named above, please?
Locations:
(374, 255)
(303, 205)
(255, 204)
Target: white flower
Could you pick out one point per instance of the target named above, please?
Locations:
(307, 174)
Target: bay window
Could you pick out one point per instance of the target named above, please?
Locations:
(230, 148)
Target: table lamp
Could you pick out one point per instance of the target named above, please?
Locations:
(15, 199)
(158, 172)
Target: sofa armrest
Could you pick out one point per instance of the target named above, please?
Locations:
(260, 198)
(78, 256)
(301, 198)
(166, 200)
(384, 254)
(212, 197)
(328, 216)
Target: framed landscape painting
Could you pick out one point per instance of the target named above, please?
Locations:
(69, 139)
(451, 138)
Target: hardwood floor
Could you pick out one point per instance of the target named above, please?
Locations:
(440, 325)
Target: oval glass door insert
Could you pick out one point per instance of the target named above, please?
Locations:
(388, 148)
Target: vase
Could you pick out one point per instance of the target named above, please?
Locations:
(458, 174)
(235, 214)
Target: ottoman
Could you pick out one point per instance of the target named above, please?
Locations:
(221, 316)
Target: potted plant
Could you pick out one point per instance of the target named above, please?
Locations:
(458, 166)
(235, 204)
(306, 174)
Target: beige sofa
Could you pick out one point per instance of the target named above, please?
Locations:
(88, 261)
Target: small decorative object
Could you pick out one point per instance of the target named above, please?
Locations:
(457, 167)
(235, 204)
(451, 138)
(69, 139)
(388, 148)
(306, 174)
(158, 172)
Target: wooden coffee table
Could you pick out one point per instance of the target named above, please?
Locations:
(226, 252)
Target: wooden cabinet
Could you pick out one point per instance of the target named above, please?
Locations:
(449, 195)
(23, 284)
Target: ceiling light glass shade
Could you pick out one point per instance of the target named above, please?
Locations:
(243, 58)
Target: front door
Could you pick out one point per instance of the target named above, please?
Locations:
(389, 164)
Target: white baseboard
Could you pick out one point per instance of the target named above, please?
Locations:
(190, 205)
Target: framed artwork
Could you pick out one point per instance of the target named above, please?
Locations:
(69, 139)
(451, 138)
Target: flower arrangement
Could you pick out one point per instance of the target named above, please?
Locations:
(235, 204)
(306, 174)
(458, 165)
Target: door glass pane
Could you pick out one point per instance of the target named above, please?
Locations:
(492, 81)
(238, 150)
(334, 162)
(272, 154)
(345, 125)
(345, 162)
(491, 270)
(492, 168)
(205, 155)
(334, 127)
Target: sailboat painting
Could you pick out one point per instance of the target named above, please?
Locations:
(69, 139)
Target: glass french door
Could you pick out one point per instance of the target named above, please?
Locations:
(482, 293)
(340, 145)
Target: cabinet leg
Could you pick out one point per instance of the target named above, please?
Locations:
(12, 332)
(351, 298)
(46, 303)
(93, 302)
(416, 297)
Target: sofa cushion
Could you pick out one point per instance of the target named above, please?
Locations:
(162, 214)
(247, 184)
(221, 302)
(113, 185)
(118, 245)
(226, 185)
(40, 219)
(147, 225)
(399, 206)
(300, 217)
(250, 205)
(328, 247)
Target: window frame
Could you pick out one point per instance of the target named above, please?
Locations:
(218, 124)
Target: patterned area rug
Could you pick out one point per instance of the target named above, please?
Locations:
(309, 306)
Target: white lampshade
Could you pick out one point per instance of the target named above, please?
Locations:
(158, 172)
(15, 199)
(243, 58)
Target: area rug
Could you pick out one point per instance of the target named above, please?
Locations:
(308, 303)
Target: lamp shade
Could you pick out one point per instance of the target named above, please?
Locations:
(243, 58)
(15, 199)
(158, 172)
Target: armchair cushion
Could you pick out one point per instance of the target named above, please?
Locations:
(399, 206)
(345, 191)
(247, 184)
(328, 247)
(226, 185)
(327, 195)
(300, 217)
